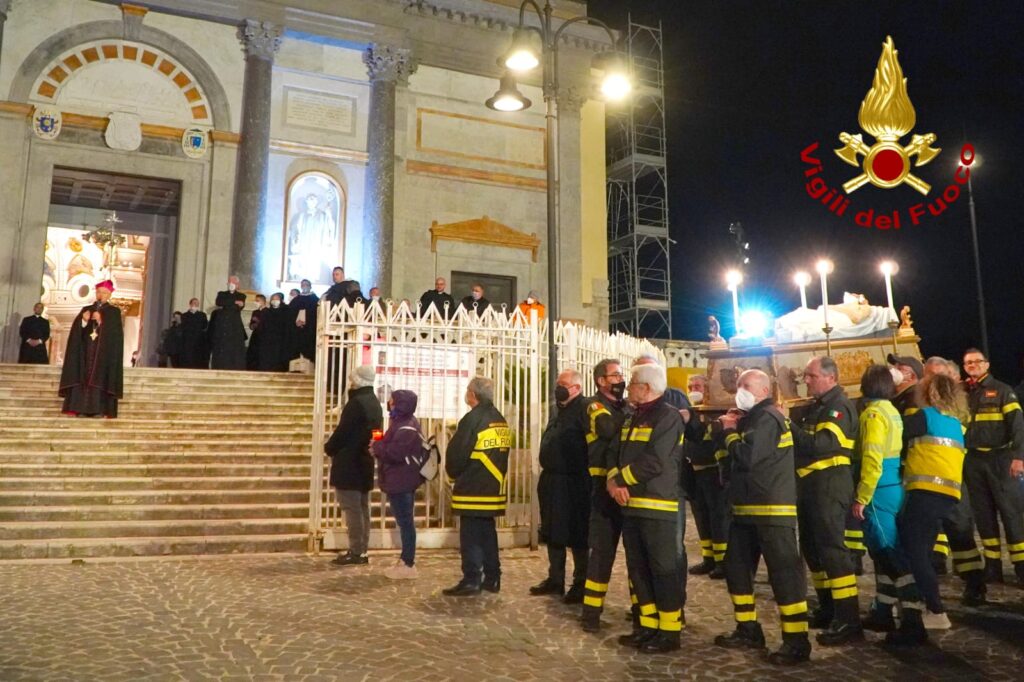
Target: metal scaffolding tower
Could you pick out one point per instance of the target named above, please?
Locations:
(640, 293)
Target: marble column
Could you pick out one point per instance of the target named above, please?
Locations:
(570, 103)
(249, 238)
(387, 67)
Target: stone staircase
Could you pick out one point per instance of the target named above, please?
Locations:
(198, 462)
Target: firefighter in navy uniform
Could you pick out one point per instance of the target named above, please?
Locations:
(762, 492)
(995, 448)
(708, 494)
(604, 416)
(645, 482)
(477, 462)
(824, 447)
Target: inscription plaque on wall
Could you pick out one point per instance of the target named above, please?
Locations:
(312, 109)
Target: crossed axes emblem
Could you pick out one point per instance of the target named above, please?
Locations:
(887, 163)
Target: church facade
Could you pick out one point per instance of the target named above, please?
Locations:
(275, 140)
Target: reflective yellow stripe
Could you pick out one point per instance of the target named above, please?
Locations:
(941, 537)
(720, 455)
(972, 566)
(745, 616)
(854, 533)
(1016, 557)
(597, 602)
(732, 438)
(648, 609)
(785, 440)
(856, 546)
(820, 580)
(844, 593)
(627, 475)
(1016, 547)
(838, 460)
(479, 507)
(764, 510)
(793, 609)
(682, 438)
(990, 542)
(670, 621)
(742, 599)
(705, 543)
(598, 471)
(613, 472)
(596, 587)
(652, 503)
(1010, 407)
(591, 437)
(969, 554)
(843, 581)
(799, 626)
(989, 417)
(494, 437)
(702, 467)
(648, 622)
(640, 434)
(940, 549)
(720, 547)
(836, 431)
(991, 553)
(486, 461)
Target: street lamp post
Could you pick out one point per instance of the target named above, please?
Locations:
(523, 57)
(977, 267)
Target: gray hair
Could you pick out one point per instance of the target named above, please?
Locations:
(362, 376)
(646, 359)
(936, 360)
(482, 388)
(652, 375)
(699, 377)
(575, 377)
(601, 368)
(828, 367)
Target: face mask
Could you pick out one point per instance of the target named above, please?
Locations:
(696, 397)
(193, 308)
(231, 287)
(531, 301)
(275, 303)
(618, 390)
(477, 295)
(561, 394)
(305, 291)
(375, 298)
(897, 376)
(745, 399)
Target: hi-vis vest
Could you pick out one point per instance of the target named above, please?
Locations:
(935, 461)
(878, 448)
(649, 456)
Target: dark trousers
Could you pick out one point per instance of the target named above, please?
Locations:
(556, 564)
(710, 514)
(917, 522)
(958, 528)
(681, 544)
(994, 498)
(748, 542)
(652, 561)
(402, 505)
(604, 532)
(478, 544)
(823, 500)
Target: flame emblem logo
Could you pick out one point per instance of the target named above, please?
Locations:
(887, 114)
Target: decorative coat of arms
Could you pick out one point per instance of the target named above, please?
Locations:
(194, 143)
(46, 122)
(124, 131)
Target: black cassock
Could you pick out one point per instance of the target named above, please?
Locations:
(304, 338)
(195, 353)
(34, 327)
(227, 333)
(276, 325)
(252, 352)
(92, 379)
(563, 490)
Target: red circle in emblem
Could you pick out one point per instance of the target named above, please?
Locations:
(887, 165)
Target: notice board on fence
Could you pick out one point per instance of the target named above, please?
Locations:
(437, 374)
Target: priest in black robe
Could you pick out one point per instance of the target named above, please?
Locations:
(304, 333)
(227, 333)
(195, 353)
(276, 324)
(35, 332)
(252, 352)
(343, 289)
(92, 379)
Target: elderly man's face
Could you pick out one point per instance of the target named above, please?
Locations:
(638, 392)
(440, 284)
(818, 383)
(696, 385)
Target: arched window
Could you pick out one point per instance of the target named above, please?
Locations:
(314, 230)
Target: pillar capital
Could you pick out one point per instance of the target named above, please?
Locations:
(571, 100)
(5, 7)
(260, 39)
(388, 63)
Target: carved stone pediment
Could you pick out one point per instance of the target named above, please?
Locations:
(484, 231)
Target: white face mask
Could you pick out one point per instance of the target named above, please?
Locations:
(231, 287)
(696, 397)
(305, 291)
(193, 308)
(531, 301)
(745, 400)
(275, 303)
(897, 376)
(477, 295)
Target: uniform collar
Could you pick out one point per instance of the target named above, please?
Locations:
(829, 394)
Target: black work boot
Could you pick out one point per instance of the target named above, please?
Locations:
(590, 620)
(993, 571)
(939, 563)
(792, 652)
(858, 564)
(638, 637)
(911, 632)
(574, 595)
(840, 633)
(492, 584)
(1018, 568)
(879, 619)
(745, 636)
(718, 573)
(547, 586)
(464, 588)
(661, 643)
(350, 559)
(703, 568)
(974, 589)
(821, 617)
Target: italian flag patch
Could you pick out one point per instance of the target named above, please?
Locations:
(832, 414)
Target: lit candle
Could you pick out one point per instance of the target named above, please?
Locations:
(733, 278)
(824, 268)
(889, 268)
(802, 279)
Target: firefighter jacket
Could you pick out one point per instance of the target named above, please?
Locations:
(827, 435)
(762, 485)
(649, 455)
(935, 459)
(699, 447)
(905, 401)
(995, 421)
(604, 419)
(477, 462)
(878, 449)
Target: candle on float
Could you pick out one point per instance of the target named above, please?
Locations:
(733, 279)
(802, 279)
(824, 268)
(889, 268)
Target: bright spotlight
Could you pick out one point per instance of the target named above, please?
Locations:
(824, 267)
(733, 278)
(889, 268)
(754, 323)
(802, 279)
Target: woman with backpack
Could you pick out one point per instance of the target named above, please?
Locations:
(401, 453)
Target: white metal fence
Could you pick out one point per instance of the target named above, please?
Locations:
(435, 356)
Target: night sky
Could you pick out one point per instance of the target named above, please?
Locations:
(750, 84)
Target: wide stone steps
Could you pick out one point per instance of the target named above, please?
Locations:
(197, 462)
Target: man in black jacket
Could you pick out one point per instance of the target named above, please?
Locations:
(564, 489)
(195, 352)
(707, 491)
(475, 302)
(762, 491)
(361, 422)
(439, 298)
(477, 462)
(34, 332)
(227, 334)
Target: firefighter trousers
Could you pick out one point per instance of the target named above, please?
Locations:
(748, 542)
(823, 501)
(710, 514)
(605, 531)
(652, 561)
(995, 498)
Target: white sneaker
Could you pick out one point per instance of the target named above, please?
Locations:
(401, 572)
(935, 621)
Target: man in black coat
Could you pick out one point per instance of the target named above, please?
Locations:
(475, 302)
(195, 353)
(275, 327)
(343, 289)
(92, 379)
(252, 352)
(227, 333)
(361, 422)
(564, 489)
(304, 307)
(440, 299)
(35, 332)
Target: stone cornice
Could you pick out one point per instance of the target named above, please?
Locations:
(260, 39)
(388, 63)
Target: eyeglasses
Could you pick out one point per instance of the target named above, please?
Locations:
(613, 375)
(975, 362)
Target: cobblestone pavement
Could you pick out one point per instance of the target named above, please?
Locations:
(300, 618)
